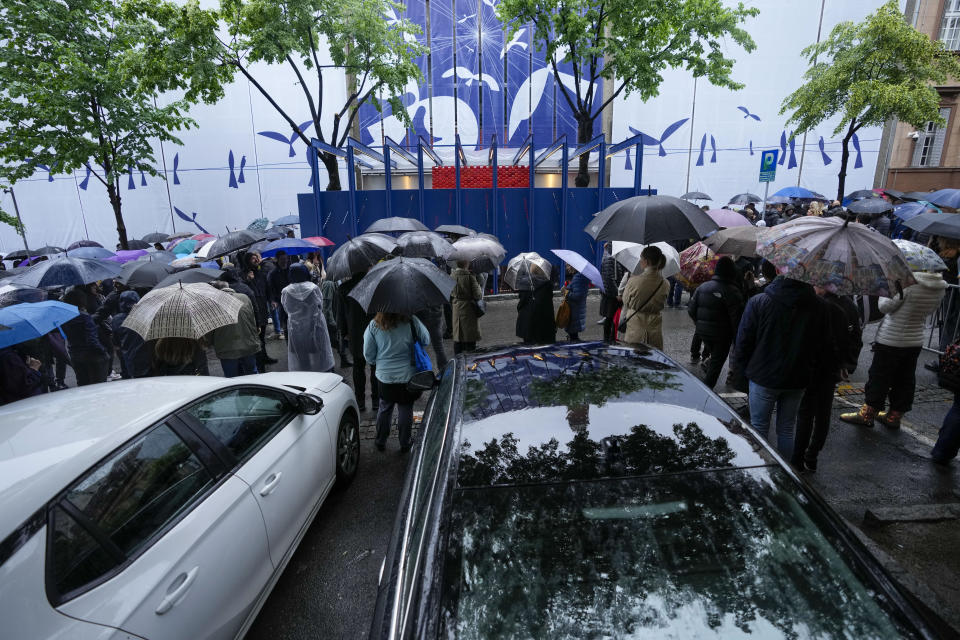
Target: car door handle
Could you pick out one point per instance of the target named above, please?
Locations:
(270, 484)
(177, 589)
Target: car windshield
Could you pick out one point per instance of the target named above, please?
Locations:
(722, 553)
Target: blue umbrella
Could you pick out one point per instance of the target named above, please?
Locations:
(945, 198)
(31, 320)
(90, 252)
(293, 246)
(909, 210)
(66, 272)
(291, 219)
(798, 192)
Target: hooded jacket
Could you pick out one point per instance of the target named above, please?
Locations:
(241, 338)
(716, 307)
(777, 340)
(308, 340)
(902, 324)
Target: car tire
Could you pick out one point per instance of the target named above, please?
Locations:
(348, 448)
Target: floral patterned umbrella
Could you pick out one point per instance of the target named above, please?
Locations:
(697, 264)
(919, 257)
(848, 255)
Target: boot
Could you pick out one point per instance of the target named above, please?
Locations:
(890, 419)
(864, 417)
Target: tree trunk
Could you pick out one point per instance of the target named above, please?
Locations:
(844, 157)
(333, 171)
(584, 134)
(114, 194)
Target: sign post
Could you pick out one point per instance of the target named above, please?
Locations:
(768, 171)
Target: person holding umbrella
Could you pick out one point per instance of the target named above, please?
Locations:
(88, 356)
(716, 307)
(611, 272)
(308, 340)
(356, 324)
(236, 345)
(277, 281)
(135, 357)
(644, 298)
(466, 294)
(576, 289)
(255, 277)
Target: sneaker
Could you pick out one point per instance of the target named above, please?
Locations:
(864, 417)
(270, 360)
(809, 464)
(114, 376)
(601, 320)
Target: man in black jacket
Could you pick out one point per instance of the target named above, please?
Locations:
(356, 324)
(839, 350)
(776, 350)
(716, 307)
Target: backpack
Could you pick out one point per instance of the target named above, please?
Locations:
(949, 374)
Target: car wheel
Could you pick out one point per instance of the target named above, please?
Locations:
(348, 448)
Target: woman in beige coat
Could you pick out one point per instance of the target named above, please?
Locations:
(643, 300)
(466, 325)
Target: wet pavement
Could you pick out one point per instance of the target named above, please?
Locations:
(329, 588)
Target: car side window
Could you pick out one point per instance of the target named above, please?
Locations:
(242, 419)
(113, 511)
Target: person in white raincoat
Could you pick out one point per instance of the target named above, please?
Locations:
(308, 342)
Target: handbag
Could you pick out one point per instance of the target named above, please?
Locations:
(479, 308)
(622, 327)
(949, 373)
(563, 313)
(423, 379)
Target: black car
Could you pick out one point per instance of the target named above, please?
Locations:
(594, 491)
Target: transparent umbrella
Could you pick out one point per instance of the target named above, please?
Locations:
(527, 271)
(628, 254)
(483, 252)
(358, 255)
(423, 244)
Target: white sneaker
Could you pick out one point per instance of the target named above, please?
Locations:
(114, 376)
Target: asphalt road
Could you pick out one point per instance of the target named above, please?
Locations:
(329, 587)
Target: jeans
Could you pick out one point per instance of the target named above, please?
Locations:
(404, 422)
(233, 367)
(813, 420)
(892, 373)
(948, 444)
(763, 400)
(675, 293)
(279, 319)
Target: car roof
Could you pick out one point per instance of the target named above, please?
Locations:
(577, 412)
(49, 440)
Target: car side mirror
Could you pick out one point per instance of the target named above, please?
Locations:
(309, 404)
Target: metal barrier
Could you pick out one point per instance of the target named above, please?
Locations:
(943, 326)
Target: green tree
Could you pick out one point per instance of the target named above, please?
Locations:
(629, 44)
(870, 72)
(377, 54)
(80, 83)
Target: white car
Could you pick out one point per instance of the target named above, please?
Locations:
(163, 507)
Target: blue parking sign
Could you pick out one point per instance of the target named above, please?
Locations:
(768, 165)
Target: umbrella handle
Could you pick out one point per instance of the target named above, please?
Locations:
(60, 329)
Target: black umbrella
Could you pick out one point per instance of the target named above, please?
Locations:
(358, 254)
(396, 225)
(695, 195)
(163, 257)
(744, 198)
(46, 251)
(180, 234)
(18, 254)
(84, 243)
(233, 241)
(403, 285)
(138, 244)
(871, 206)
(155, 237)
(936, 224)
(66, 272)
(275, 233)
(423, 244)
(647, 219)
(916, 195)
(861, 194)
(11, 294)
(143, 275)
(455, 230)
(893, 193)
(189, 276)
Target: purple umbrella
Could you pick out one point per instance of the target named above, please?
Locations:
(727, 218)
(129, 255)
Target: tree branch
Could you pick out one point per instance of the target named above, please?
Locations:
(610, 99)
(303, 85)
(563, 89)
(353, 114)
(316, 62)
(263, 92)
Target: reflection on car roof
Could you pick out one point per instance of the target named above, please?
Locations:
(581, 412)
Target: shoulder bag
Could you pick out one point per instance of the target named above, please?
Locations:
(563, 313)
(423, 379)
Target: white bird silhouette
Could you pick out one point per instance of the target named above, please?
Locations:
(465, 18)
(514, 42)
(465, 74)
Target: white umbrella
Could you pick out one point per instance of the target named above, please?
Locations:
(628, 254)
(184, 311)
(204, 251)
(527, 271)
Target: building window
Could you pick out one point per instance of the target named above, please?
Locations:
(950, 27)
(929, 145)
